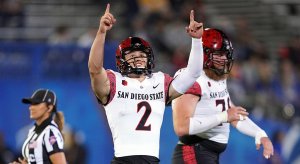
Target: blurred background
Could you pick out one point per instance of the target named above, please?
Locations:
(45, 44)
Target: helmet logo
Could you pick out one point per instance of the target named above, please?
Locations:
(215, 46)
(137, 44)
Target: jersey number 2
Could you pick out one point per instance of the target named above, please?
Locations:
(141, 125)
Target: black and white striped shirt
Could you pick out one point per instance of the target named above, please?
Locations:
(41, 142)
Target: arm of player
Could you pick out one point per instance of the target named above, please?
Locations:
(183, 112)
(184, 120)
(58, 158)
(187, 123)
(199, 124)
(195, 63)
(99, 79)
(249, 128)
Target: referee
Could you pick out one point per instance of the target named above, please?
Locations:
(44, 143)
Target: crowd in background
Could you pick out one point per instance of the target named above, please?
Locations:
(267, 85)
(11, 13)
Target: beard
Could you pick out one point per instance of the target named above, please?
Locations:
(212, 74)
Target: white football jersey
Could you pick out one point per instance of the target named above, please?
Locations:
(135, 112)
(214, 98)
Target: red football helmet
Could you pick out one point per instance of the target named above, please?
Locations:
(134, 44)
(216, 42)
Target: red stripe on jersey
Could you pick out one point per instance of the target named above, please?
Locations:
(188, 154)
(112, 79)
(195, 89)
(168, 80)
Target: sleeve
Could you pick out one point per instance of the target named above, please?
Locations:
(195, 89)
(53, 140)
(112, 78)
(189, 75)
(168, 80)
(249, 128)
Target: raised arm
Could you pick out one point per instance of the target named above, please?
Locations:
(99, 80)
(195, 64)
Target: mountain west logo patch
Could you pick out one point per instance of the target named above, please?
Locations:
(52, 140)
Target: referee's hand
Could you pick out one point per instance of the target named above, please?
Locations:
(21, 161)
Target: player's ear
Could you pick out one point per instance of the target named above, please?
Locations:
(50, 107)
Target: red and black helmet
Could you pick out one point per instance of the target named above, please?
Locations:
(134, 44)
(216, 42)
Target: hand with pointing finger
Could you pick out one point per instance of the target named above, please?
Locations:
(195, 29)
(107, 20)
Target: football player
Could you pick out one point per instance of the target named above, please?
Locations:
(134, 98)
(202, 116)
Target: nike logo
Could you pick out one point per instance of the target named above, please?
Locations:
(199, 122)
(155, 86)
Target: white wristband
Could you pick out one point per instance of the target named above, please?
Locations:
(259, 135)
(222, 117)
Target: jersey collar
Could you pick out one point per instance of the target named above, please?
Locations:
(39, 128)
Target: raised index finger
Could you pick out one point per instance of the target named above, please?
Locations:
(192, 16)
(107, 8)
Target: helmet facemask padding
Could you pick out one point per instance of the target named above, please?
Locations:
(136, 70)
(226, 63)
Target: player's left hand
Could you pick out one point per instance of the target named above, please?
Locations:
(268, 147)
(195, 29)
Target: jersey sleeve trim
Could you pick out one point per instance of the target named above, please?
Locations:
(112, 79)
(195, 89)
(53, 152)
(168, 80)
